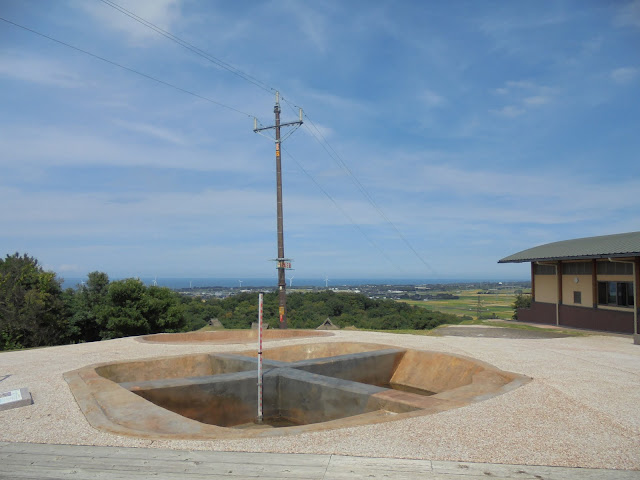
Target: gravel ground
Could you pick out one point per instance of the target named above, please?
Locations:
(495, 332)
(580, 410)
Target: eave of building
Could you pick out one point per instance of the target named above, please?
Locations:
(608, 246)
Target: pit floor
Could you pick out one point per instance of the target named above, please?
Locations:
(580, 410)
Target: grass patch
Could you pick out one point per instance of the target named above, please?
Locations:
(495, 304)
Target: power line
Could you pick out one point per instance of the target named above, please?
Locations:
(337, 205)
(149, 77)
(368, 195)
(192, 48)
(317, 135)
(321, 139)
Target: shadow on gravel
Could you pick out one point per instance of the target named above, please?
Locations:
(495, 332)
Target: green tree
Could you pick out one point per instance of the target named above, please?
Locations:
(522, 300)
(122, 316)
(308, 310)
(88, 305)
(32, 309)
(163, 310)
(134, 309)
(198, 312)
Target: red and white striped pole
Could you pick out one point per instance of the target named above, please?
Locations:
(260, 310)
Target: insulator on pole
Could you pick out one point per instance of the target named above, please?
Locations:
(300, 115)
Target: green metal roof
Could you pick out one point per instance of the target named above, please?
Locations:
(619, 245)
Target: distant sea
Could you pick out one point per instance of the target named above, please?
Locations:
(177, 283)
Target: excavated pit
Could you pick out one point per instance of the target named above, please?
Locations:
(305, 387)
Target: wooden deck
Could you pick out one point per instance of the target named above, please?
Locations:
(48, 462)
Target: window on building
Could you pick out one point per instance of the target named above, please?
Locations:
(576, 268)
(614, 268)
(619, 294)
(577, 297)
(544, 269)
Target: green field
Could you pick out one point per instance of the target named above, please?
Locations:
(496, 304)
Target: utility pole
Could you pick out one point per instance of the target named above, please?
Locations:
(282, 263)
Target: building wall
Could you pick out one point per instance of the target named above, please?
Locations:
(584, 286)
(578, 317)
(596, 319)
(583, 314)
(546, 288)
(538, 313)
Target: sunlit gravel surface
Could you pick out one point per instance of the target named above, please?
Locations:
(581, 409)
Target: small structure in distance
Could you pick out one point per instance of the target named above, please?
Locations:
(327, 325)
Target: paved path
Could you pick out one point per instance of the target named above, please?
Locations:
(38, 461)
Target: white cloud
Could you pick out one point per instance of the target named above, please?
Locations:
(88, 214)
(312, 23)
(334, 101)
(624, 75)
(523, 94)
(38, 70)
(431, 98)
(457, 196)
(593, 45)
(537, 100)
(316, 129)
(510, 111)
(520, 87)
(66, 267)
(629, 15)
(162, 13)
(156, 132)
(542, 195)
(521, 84)
(42, 146)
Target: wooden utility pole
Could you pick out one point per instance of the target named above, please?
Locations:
(282, 263)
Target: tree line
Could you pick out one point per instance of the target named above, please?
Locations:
(36, 311)
(310, 309)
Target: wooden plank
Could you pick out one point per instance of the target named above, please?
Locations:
(123, 464)
(79, 451)
(56, 462)
(344, 467)
(397, 464)
(468, 470)
(367, 474)
(40, 473)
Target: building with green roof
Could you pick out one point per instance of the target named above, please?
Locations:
(588, 283)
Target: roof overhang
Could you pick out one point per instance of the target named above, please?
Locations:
(608, 246)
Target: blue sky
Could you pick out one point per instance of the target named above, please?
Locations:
(475, 129)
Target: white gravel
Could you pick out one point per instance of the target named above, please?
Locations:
(581, 410)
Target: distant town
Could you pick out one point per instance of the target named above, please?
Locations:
(421, 292)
